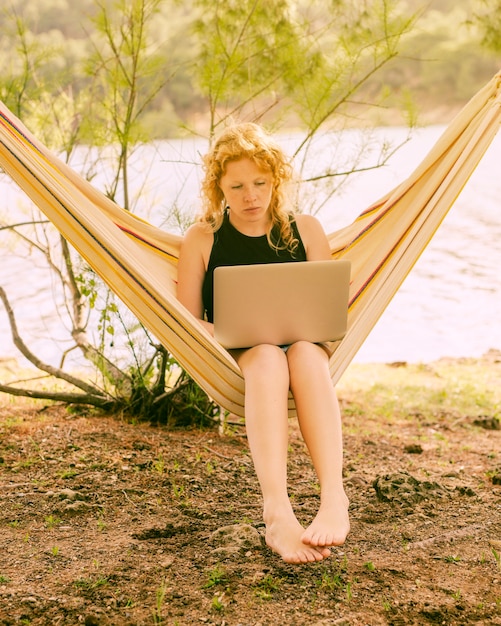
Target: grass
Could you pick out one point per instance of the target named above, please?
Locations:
(267, 586)
(88, 584)
(443, 388)
(217, 576)
(160, 600)
(497, 557)
(52, 522)
(461, 386)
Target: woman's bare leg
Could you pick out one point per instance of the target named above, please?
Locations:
(320, 422)
(266, 377)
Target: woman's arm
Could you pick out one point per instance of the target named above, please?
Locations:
(192, 266)
(314, 238)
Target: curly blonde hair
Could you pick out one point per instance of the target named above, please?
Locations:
(248, 141)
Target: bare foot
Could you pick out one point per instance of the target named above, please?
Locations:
(330, 526)
(283, 536)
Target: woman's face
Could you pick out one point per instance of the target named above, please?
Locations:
(247, 190)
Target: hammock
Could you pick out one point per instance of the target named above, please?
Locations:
(138, 261)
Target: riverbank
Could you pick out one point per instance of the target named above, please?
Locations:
(108, 522)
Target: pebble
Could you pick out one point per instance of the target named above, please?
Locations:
(77, 507)
(69, 494)
(235, 538)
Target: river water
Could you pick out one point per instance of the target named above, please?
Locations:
(448, 306)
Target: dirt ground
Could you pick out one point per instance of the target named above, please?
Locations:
(108, 522)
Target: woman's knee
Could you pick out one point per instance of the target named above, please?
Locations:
(306, 359)
(265, 359)
(303, 351)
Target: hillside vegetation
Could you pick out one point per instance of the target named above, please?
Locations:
(439, 65)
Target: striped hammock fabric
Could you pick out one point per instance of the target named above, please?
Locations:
(138, 261)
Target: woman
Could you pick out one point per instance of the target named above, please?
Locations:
(245, 220)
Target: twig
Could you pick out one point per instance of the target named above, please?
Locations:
(13, 226)
(128, 499)
(222, 456)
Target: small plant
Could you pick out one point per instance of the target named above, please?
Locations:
(497, 556)
(333, 577)
(177, 491)
(25, 464)
(4, 579)
(51, 521)
(217, 576)
(244, 520)
(453, 558)
(70, 473)
(369, 566)
(330, 581)
(159, 465)
(217, 603)
(160, 599)
(267, 586)
(54, 550)
(89, 584)
(349, 592)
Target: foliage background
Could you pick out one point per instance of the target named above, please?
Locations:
(441, 63)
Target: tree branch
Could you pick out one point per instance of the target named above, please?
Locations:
(38, 363)
(30, 223)
(70, 398)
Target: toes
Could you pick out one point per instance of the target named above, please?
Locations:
(325, 552)
(321, 539)
(306, 556)
(305, 538)
(309, 539)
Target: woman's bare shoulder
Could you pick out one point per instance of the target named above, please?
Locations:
(198, 234)
(313, 236)
(197, 240)
(305, 220)
(309, 226)
(199, 230)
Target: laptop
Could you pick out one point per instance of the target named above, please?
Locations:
(281, 303)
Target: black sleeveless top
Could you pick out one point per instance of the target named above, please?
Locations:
(231, 247)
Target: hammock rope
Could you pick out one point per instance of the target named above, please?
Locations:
(139, 261)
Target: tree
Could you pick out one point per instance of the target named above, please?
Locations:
(245, 48)
(309, 64)
(488, 18)
(126, 74)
